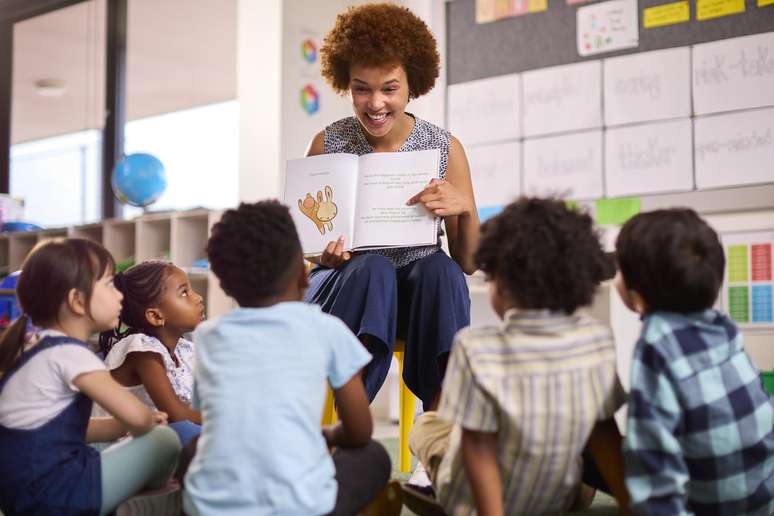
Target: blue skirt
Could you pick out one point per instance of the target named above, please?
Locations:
(425, 303)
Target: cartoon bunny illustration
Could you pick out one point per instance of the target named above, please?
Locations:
(320, 211)
(327, 209)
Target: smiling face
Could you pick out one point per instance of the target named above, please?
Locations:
(181, 305)
(379, 98)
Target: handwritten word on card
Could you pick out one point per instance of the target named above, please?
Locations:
(648, 86)
(563, 98)
(734, 149)
(607, 26)
(734, 74)
(486, 110)
(568, 166)
(495, 171)
(649, 158)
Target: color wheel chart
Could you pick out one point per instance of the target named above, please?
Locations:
(748, 283)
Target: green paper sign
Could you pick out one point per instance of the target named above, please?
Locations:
(617, 211)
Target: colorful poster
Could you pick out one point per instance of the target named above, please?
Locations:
(748, 287)
(607, 26)
(492, 10)
(666, 14)
(709, 9)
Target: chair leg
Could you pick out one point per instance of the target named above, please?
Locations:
(329, 410)
(406, 418)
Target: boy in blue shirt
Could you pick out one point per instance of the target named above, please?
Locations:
(260, 381)
(700, 433)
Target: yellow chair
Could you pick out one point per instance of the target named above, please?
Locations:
(406, 410)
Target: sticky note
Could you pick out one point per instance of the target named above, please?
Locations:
(739, 304)
(761, 262)
(537, 6)
(666, 14)
(764, 3)
(708, 9)
(737, 263)
(616, 211)
(761, 304)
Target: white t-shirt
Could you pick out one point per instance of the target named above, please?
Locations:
(43, 387)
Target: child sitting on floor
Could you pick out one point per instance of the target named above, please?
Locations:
(261, 372)
(149, 355)
(522, 400)
(700, 431)
(47, 388)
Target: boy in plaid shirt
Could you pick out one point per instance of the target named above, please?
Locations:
(700, 433)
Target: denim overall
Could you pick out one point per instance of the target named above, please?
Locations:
(50, 469)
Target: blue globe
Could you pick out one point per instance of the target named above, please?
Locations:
(139, 179)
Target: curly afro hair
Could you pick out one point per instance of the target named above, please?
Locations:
(252, 251)
(543, 255)
(380, 35)
(672, 258)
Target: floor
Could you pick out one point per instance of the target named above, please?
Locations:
(387, 434)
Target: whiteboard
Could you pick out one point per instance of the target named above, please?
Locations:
(650, 86)
(563, 98)
(734, 149)
(649, 158)
(496, 174)
(487, 110)
(568, 165)
(732, 74)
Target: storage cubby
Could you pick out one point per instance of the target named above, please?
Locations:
(190, 231)
(180, 237)
(90, 231)
(118, 237)
(153, 237)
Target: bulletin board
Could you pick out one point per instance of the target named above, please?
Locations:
(673, 105)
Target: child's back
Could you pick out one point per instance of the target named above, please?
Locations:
(522, 401)
(261, 373)
(260, 381)
(541, 380)
(700, 433)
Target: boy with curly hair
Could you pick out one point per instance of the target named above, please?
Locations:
(700, 431)
(523, 399)
(260, 381)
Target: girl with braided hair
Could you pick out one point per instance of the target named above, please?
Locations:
(146, 352)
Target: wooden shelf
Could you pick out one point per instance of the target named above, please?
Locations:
(180, 237)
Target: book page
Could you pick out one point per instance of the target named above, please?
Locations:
(320, 192)
(386, 181)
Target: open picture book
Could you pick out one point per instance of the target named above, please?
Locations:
(361, 197)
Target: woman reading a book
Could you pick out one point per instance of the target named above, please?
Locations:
(383, 56)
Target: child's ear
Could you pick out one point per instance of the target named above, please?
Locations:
(154, 317)
(76, 301)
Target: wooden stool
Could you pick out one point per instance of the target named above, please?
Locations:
(406, 418)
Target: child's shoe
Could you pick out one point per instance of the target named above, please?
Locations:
(388, 503)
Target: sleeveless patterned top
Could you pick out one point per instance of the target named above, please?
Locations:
(346, 135)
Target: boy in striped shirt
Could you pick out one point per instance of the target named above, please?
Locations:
(700, 432)
(522, 400)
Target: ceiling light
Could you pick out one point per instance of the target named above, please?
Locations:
(50, 87)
